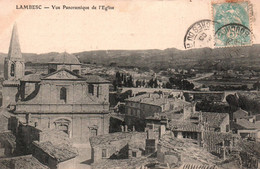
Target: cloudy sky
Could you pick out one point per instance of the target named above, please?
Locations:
(131, 25)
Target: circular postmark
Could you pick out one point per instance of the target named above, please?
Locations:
(198, 35)
(233, 34)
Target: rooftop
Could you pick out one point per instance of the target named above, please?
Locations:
(21, 162)
(61, 152)
(95, 79)
(158, 99)
(245, 124)
(65, 58)
(189, 150)
(182, 125)
(8, 137)
(32, 78)
(109, 138)
(132, 163)
(213, 119)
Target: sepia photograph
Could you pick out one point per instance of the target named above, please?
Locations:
(130, 84)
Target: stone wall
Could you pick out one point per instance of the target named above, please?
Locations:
(119, 148)
(79, 125)
(3, 123)
(225, 125)
(47, 98)
(9, 94)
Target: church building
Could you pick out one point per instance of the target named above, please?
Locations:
(62, 99)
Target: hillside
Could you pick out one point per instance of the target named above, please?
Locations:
(204, 58)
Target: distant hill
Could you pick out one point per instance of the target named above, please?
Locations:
(203, 58)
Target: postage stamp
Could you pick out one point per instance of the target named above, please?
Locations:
(199, 35)
(232, 24)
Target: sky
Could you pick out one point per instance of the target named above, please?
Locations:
(131, 25)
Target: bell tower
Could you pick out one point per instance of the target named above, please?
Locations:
(14, 62)
(13, 71)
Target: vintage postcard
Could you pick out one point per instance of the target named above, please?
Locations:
(125, 84)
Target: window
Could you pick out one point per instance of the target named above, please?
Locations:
(91, 89)
(93, 132)
(104, 153)
(12, 70)
(227, 128)
(133, 154)
(97, 91)
(63, 94)
(76, 71)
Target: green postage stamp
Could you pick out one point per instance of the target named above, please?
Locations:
(232, 24)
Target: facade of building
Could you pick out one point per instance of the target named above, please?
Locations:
(146, 105)
(55, 62)
(120, 145)
(62, 99)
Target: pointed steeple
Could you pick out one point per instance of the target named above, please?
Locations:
(14, 48)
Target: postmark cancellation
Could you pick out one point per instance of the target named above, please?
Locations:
(232, 26)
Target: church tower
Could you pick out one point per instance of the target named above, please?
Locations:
(14, 62)
(13, 70)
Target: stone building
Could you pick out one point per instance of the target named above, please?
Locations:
(55, 62)
(62, 99)
(120, 145)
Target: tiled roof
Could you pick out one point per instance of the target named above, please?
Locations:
(11, 83)
(199, 166)
(173, 115)
(240, 114)
(213, 119)
(32, 78)
(63, 69)
(244, 123)
(60, 152)
(108, 138)
(21, 162)
(212, 138)
(181, 125)
(9, 138)
(95, 79)
(124, 163)
(65, 58)
(190, 152)
(153, 99)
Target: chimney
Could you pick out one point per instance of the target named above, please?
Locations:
(126, 128)
(28, 118)
(161, 131)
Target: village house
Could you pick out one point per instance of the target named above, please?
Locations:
(7, 138)
(59, 156)
(7, 144)
(247, 129)
(177, 152)
(51, 147)
(146, 105)
(69, 62)
(61, 99)
(239, 114)
(218, 122)
(21, 162)
(150, 107)
(120, 145)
